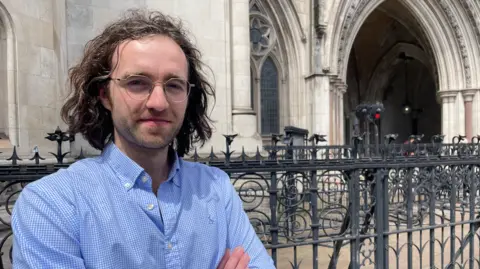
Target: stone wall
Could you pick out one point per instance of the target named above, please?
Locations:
(207, 21)
(40, 39)
(28, 72)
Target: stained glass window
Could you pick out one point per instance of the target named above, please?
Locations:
(269, 99)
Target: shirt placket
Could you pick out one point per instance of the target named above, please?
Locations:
(167, 202)
(150, 204)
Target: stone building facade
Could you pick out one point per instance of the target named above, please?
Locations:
(274, 63)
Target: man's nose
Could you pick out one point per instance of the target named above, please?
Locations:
(157, 99)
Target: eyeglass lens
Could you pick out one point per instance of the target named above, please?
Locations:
(140, 87)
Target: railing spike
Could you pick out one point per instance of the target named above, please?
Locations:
(81, 156)
(244, 155)
(195, 155)
(14, 158)
(212, 155)
(36, 156)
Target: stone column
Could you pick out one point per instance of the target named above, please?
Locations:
(342, 89)
(468, 103)
(333, 115)
(448, 99)
(243, 115)
(337, 89)
(321, 107)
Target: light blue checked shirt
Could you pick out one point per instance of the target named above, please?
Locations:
(101, 213)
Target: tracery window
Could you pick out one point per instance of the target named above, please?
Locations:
(265, 74)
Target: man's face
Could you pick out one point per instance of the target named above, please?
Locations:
(153, 122)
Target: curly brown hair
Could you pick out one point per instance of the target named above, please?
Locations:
(84, 113)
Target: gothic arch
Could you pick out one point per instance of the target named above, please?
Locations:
(437, 19)
(8, 49)
(288, 51)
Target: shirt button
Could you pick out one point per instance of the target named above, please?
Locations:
(144, 179)
(170, 246)
(150, 206)
(127, 185)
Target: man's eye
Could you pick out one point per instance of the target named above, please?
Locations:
(137, 82)
(176, 85)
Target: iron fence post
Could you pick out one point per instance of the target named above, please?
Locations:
(273, 219)
(453, 217)
(353, 192)
(381, 219)
(473, 229)
(432, 216)
(314, 205)
(409, 196)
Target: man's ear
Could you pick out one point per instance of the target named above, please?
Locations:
(105, 99)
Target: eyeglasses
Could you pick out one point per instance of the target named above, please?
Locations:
(140, 87)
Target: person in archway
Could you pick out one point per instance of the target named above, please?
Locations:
(409, 151)
(139, 96)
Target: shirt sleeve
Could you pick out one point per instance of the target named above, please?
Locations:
(241, 232)
(43, 230)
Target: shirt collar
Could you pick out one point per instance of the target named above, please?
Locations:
(129, 171)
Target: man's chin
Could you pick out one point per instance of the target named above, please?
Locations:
(154, 139)
(154, 142)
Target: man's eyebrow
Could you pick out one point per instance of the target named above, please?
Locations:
(149, 75)
(128, 74)
(173, 75)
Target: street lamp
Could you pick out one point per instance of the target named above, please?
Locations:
(406, 109)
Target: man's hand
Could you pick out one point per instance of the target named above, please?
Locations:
(238, 259)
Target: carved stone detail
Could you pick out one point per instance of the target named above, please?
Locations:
(276, 50)
(262, 34)
(469, 6)
(353, 12)
(320, 27)
(460, 39)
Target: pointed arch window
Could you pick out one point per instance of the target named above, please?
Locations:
(269, 98)
(266, 60)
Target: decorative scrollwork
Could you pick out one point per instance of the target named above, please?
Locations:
(261, 224)
(294, 226)
(331, 220)
(253, 190)
(367, 251)
(294, 189)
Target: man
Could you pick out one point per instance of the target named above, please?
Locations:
(138, 96)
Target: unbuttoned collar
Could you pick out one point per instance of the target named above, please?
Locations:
(129, 171)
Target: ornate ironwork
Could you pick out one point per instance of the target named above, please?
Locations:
(60, 137)
(347, 206)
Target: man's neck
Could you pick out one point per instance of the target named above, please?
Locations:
(154, 161)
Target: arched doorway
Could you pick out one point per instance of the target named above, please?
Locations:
(444, 32)
(391, 62)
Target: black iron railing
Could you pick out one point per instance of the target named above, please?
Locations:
(388, 205)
